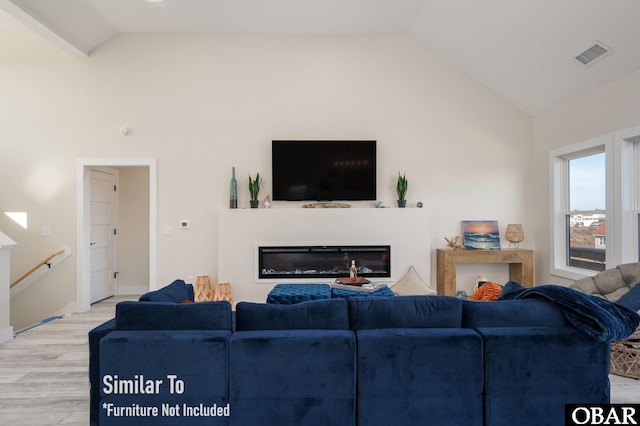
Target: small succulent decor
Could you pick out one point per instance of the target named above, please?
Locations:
(254, 189)
(401, 188)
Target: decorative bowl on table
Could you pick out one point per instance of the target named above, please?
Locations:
(359, 281)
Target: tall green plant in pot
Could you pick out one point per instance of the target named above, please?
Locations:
(254, 189)
(402, 186)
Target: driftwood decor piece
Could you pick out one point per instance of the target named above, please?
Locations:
(327, 206)
(453, 243)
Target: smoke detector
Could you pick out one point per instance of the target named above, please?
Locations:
(593, 54)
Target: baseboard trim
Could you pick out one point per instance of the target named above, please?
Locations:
(69, 308)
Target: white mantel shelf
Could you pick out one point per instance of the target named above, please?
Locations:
(240, 231)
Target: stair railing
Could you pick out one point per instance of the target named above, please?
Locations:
(51, 260)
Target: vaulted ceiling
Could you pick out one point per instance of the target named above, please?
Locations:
(522, 49)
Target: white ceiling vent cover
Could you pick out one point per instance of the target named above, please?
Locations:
(593, 54)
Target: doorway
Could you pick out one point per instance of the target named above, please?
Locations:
(83, 241)
(102, 235)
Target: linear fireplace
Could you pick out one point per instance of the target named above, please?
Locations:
(284, 262)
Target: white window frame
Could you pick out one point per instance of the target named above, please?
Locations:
(559, 202)
(627, 195)
(622, 162)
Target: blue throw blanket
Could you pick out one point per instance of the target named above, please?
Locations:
(603, 320)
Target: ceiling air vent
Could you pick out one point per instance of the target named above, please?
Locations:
(593, 54)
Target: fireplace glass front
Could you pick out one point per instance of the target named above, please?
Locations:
(323, 261)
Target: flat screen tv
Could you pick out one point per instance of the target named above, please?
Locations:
(323, 170)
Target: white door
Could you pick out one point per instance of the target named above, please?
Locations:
(102, 240)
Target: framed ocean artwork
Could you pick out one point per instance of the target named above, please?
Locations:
(481, 234)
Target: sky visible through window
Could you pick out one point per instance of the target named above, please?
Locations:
(587, 183)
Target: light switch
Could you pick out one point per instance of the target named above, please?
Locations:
(45, 231)
(166, 230)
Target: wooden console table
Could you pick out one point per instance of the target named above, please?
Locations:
(520, 265)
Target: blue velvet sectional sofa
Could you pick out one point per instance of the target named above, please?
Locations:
(406, 360)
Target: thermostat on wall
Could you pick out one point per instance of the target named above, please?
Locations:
(185, 224)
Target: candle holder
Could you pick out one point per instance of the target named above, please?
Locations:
(514, 234)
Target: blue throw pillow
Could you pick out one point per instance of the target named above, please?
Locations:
(176, 292)
(173, 316)
(511, 286)
(512, 313)
(366, 313)
(325, 314)
(631, 299)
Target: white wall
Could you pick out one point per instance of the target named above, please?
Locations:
(201, 103)
(608, 109)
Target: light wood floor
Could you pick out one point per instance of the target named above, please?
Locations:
(44, 372)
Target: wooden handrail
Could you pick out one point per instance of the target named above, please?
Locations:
(35, 268)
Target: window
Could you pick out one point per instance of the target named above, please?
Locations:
(585, 215)
(581, 187)
(595, 204)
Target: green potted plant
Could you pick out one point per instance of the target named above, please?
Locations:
(401, 188)
(254, 189)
